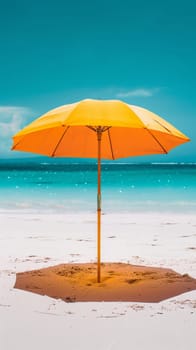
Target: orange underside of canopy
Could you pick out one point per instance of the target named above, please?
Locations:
(81, 141)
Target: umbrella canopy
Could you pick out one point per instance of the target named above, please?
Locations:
(107, 129)
(129, 131)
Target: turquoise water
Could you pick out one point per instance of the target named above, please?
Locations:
(72, 187)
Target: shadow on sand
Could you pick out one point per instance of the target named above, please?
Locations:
(119, 282)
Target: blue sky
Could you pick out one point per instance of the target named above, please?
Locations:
(58, 52)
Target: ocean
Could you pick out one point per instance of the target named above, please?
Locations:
(70, 187)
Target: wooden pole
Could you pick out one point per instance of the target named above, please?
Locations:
(99, 133)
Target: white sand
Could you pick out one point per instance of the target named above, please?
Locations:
(33, 240)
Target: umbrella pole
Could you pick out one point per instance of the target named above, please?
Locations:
(99, 133)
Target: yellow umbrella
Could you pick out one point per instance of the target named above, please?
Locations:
(107, 129)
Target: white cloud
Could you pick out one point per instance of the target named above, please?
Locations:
(13, 109)
(12, 119)
(138, 93)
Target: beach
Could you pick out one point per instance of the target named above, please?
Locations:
(48, 289)
(97, 175)
(31, 240)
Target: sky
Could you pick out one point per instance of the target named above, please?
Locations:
(58, 52)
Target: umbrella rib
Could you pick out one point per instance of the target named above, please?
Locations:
(16, 144)
(164, 127)
(154, 137)
(58, 143)
(110, 143)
